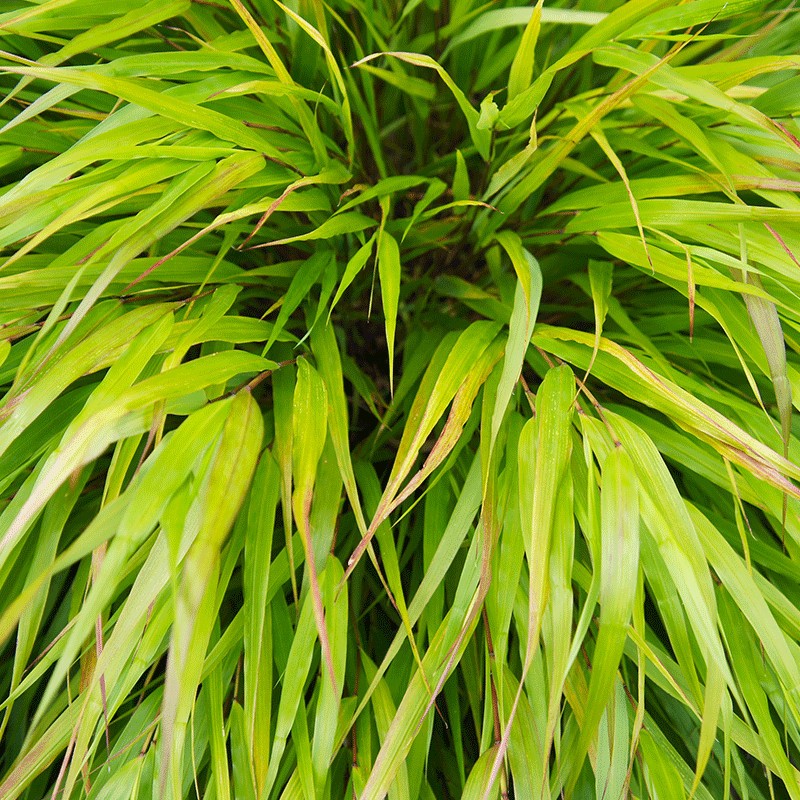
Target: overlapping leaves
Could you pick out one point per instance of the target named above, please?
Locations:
(399, 401)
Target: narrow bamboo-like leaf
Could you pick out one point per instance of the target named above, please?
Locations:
(330, 697)
(479, 783)
(257, 637)
(390, 271)
(461, 178)
(619, 570)
(347, 222)
(520, 16)
(295, 675)
(225, 487)
(600, 278)
(544, 449)
(521, 72)
(299, 288)
(354, 266)
(551, 430)
(523, 319)
(326, 352)
(310, 428)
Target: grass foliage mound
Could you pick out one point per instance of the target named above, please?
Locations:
(397, 399)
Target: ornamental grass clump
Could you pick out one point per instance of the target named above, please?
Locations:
(397, 400)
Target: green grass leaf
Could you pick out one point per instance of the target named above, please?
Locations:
(208, 414)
